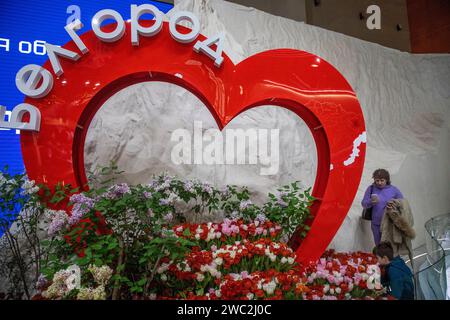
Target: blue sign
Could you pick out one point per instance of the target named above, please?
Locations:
(25, 26)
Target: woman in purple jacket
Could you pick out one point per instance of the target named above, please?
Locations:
(377, 196)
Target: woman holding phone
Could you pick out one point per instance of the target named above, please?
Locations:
(378, 196)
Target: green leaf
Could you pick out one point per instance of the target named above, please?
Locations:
(187, 232)
(200, 292)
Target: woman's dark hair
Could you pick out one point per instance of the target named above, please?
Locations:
(382, 174)
(384, 249)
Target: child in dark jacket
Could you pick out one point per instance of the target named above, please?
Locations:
(397, 276)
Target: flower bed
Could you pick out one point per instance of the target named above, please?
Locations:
(135, 242)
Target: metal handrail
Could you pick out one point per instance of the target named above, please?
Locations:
(440, 252)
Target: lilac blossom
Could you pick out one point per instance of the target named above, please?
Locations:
(41, 282)
(164, 202)
(147, 194)
(59, 222)
(245, 204)
(225, 192)
(261, 217)
(189, 187)
(117, 191)
(168, 217)
(121, 188)
(207, 188)
(82, 205)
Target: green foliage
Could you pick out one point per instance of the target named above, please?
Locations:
(290, 208)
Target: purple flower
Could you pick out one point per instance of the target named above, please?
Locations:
(59, 222)
(117, 191)
(164, 202)
(82, 199)
(82, 205)
(189, 186)
(207, 188)
(261, 217)
(41, 282)
(168, 217)
(77, 213)
(245, 204)
(121, 188)
(225, 192)
(282, 203)
(147, 194)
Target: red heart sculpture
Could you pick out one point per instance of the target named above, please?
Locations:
(293, 79)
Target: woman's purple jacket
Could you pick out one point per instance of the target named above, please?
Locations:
(389, 192)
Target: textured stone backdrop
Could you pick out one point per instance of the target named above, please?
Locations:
(405, 99)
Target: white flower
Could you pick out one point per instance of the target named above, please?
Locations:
(373, 269)
(290, 260)
(326, 288)
(269, 287)
(197, 236)
(163, 268)
(218, 261)
(163, 277)
(29, 187)
(259, 285)
(284, 260)
(250, 296)
(200, 277)
(338, 290)
(218, 293)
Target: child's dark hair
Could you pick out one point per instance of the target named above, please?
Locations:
(384, 249)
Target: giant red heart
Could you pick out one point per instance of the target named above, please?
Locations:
(293, 79)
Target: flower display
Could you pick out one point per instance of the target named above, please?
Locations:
(63, 282)
(262, 268)
(228, 231)
(186, 239)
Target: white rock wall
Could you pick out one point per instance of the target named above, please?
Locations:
(405, 99)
